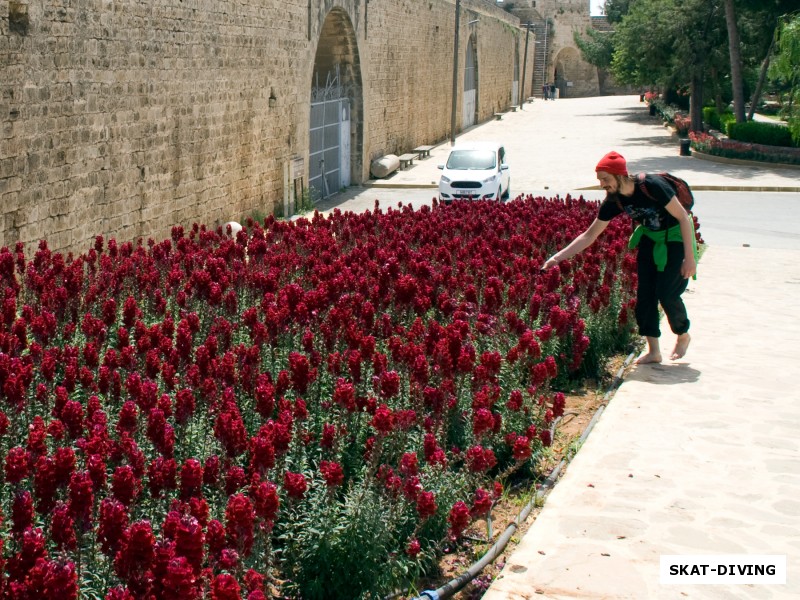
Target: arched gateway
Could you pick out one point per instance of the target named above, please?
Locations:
(336, 119)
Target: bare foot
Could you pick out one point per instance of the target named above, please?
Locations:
(681, 346)
(650, 357)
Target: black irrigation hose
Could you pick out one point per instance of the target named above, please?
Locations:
(454, 585)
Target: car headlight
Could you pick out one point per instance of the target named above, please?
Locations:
(490, 180)
(445, 179)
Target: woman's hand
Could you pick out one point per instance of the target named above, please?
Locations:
(688, 267)
(551, 262)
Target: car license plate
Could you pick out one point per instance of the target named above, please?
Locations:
(465, 192)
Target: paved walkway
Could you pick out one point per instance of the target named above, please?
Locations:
(553, 147)
(695, 457)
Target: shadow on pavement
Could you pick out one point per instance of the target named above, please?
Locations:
(665, 374)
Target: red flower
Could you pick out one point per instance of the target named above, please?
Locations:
(51, 580)
(239, 520)
(62, 530)
(225, 587)
(409, 464)
(229, 429)
(112, 524)
(64, 460)
(328, 436)
(515, 401)
(481, 503)
(482, 422)
(383, 421)
(559, 402)
(522, 448)
(389, 384)
(480, 460)
(16, 465)
(426, 505)
(136, 553)
(458, 519)
(21, 512)
(235, 479)
(546, 438)
(262, 451)
(125, 484)
(295, 485)
(119, 593)
(332, 473)
(128, 416)
(215, 537)
(301, 372)
(344, 394)
(162, 475)
(228, 560)
(189, 542)
(413, 548)
(265, 499)
(179, 580)
(191, 478)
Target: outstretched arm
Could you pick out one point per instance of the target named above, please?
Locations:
(675, 208)
(579, 244)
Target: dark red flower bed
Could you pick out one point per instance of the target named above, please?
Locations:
(312, 409)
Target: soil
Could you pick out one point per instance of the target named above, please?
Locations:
(581, 405)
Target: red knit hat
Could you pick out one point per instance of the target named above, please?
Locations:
(613, 163)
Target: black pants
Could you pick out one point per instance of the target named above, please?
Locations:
(664, 287)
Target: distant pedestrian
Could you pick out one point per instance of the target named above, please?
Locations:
(545, 91)
(552, 91)
(666, 257)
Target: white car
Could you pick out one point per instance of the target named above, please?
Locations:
(475, 170)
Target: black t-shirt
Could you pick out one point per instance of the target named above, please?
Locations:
(640, 207)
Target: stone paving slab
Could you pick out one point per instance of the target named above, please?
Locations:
(699, 456)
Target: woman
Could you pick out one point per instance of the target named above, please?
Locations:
(666, 258)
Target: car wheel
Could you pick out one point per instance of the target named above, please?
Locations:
(507, 194)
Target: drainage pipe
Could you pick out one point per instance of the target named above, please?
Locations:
(454, 585)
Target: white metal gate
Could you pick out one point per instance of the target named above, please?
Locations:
(515, 83)
(470, 88)
(329, 139)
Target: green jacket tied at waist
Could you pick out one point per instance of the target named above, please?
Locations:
(660, 239)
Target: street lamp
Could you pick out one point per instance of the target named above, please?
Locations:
(524, 66)
(455, 78)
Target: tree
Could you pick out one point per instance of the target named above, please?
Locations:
(597, 48)
(759, 23)
(616, 10)
(786, 66)
(669, 43)
(736, 61)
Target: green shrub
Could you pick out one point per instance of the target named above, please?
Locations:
(725, 120)
(756, 132)
(794, 127)
(715, 120)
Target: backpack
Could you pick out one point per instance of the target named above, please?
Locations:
(682, 190)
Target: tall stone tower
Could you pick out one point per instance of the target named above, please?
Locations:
(558, 59)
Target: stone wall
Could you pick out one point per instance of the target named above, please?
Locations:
(126, 117)
(565, 66)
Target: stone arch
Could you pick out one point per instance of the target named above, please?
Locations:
(571, 74)
(337, 72)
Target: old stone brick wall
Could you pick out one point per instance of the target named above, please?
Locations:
(411, 71)
(124, 118)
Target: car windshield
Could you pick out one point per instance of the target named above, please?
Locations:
(471, 159)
